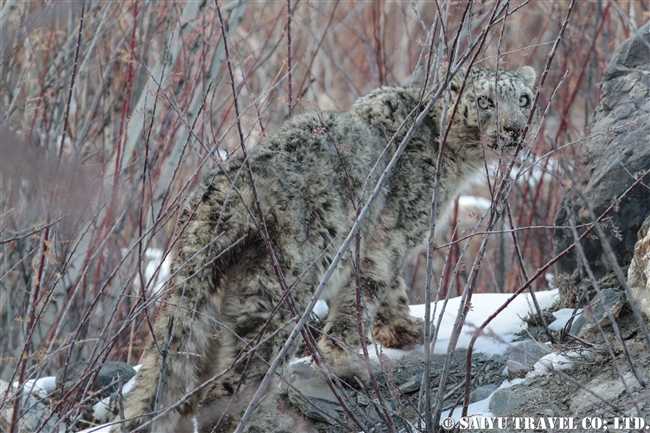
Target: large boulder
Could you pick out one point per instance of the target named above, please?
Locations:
(617, 153)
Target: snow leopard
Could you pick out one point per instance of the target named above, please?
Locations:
(226, 316)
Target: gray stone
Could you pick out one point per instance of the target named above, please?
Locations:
(612, 161)
(412, 384)
(299, 370)
(482, 392)
(613, 301)
(362, 400)
(524, 356)
(311, 394)
(110, 375)
(608, 390)
(507, 400)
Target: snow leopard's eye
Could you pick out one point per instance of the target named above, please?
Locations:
(524, 101)
(484, 103)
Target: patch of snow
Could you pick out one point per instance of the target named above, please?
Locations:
(157, 272)
(478, 410)
(153, 253)
(552, 361)
(101, 409)
(391, 353)
(156, 269)
(473, 201)
(562, 317)
(305, 359)
(128, 385)
(549, 279)
(66, 142)
(41, 387)
(320, 309)
(513, 382)
(504, 326)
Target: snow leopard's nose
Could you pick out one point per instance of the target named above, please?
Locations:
(512, 132)
(513, 127)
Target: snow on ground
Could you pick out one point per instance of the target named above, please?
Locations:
(552, 361)
(320, 309)
(101, 410)
(474, 201)
(496, 339)
(41, 387)
(157, 269)
(503, 327)
(157, 272)
(479, 409)
(562, 317)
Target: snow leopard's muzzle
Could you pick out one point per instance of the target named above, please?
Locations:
(512, 130)
(511, 134)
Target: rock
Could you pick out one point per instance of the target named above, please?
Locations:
(412, 384)
(638, 277)
(34, 415)
(507, 400)
(524, 356)
(270, 417)
(525, 400)
(612, 162)
(110, 375)
(299, 370)
(311, 394)
(613, 300)
(482, 392)
(608, 390)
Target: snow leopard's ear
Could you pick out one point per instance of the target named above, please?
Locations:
(528, 74)
(456, 81)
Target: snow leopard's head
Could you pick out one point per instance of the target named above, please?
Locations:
(494, 108)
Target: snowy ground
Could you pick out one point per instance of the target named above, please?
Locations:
(497, 338)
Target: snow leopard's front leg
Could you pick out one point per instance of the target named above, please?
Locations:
(340, 342)
(382, 303)
(393, 325)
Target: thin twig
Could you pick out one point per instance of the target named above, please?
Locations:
(289, 72)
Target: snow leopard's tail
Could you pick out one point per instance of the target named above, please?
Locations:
(183, 351)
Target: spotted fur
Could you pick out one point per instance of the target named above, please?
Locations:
(310, 176)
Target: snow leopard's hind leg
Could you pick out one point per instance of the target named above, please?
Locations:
(256, 323)
(187, 340)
